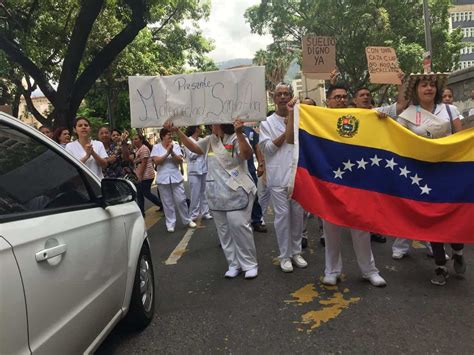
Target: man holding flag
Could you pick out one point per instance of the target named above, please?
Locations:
(337, 98)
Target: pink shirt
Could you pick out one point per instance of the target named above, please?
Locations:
(140, 154)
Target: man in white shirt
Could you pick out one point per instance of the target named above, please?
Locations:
(278, 160)
(337, 98)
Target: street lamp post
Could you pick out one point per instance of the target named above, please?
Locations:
(426, 15)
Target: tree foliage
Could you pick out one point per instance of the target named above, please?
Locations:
(357, 24)
(73, 43)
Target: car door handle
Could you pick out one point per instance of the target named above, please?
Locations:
(48, 253)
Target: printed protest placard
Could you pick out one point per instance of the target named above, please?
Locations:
(319, 56)
(199, 98)
(383, 65)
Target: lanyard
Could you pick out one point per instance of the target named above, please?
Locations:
(418, 114)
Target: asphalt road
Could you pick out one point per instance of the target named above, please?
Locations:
(199, 311)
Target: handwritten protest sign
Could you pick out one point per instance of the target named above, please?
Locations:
(383, 65)
(319, 56)
(199, 98)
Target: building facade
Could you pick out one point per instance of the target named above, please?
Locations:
(462, 15)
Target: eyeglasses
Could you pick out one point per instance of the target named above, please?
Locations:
(338, 98)
(282, 94)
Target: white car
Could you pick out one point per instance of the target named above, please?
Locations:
(74, 255)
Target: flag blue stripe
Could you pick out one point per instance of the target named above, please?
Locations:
(440, 182)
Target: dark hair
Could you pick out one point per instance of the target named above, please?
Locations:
(115, 130)
(309, 98)
(103, 126)
(228, 128)
(360, 89)
(448, 88)
(44, 126)
(144, 141)
(416, 101)
(271, 112)
(334, 87)
(58, 132)
(190, 130)
(164, 132)
(79, 119)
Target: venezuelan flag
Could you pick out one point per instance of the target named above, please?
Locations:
(359, 171)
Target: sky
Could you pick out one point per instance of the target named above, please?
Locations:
(226, 26)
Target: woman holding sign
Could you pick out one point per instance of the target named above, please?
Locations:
(167, 155)
(428, 117)
(230, 192)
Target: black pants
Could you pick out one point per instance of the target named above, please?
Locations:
(144, 190)
(439, 253)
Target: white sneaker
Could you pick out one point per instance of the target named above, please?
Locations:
(192, 224)
(231, 273)
(330, 280)
(397, 255)
(252, 273)
(299, 261)
(207, 216)
(285, 265)
(376, 280)
(171, 229)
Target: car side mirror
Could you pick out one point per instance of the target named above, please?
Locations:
(117, 191)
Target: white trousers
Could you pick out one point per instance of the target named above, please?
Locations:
(197, 186)
(236, 236)
(171, 194)
(362, 249)
(288, 222)
(263, 195)
(402, 245)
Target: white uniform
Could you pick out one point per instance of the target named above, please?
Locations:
(278, 161)
(76, 149)
(233, 226)
(362, 249)
(197, 172)
(170, 184)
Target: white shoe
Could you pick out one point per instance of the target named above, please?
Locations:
(231, 273)
(192, 224)
(376, 280)
(171, 229)
(397, 255)
(330, 280)
(299, 261)
(285, 265)
(207, 216)
(252, 273)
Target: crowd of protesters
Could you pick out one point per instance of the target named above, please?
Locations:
(228, 187)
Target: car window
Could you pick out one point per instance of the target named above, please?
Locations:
(34, 177)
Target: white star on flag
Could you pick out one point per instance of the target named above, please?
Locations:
(404, 171)
(390, 163)
(425, 189)
(375, 160)
(348, 165)
(361, 163)
(415, 179)
(338, 173)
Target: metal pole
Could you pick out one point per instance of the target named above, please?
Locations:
(426, 15)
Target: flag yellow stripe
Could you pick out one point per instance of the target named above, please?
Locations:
(387, 134)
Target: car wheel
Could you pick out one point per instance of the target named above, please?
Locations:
(142, 303)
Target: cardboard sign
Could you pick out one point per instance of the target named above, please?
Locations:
(199, 98)
(383, 65)
(319, 56)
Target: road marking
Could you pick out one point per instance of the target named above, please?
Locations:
(331, 298)
(152, 217)
(180, 249)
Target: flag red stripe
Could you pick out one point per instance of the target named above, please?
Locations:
(385, 214)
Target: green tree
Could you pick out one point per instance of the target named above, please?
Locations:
(357, 24)
(73, 42)
(276, 61)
